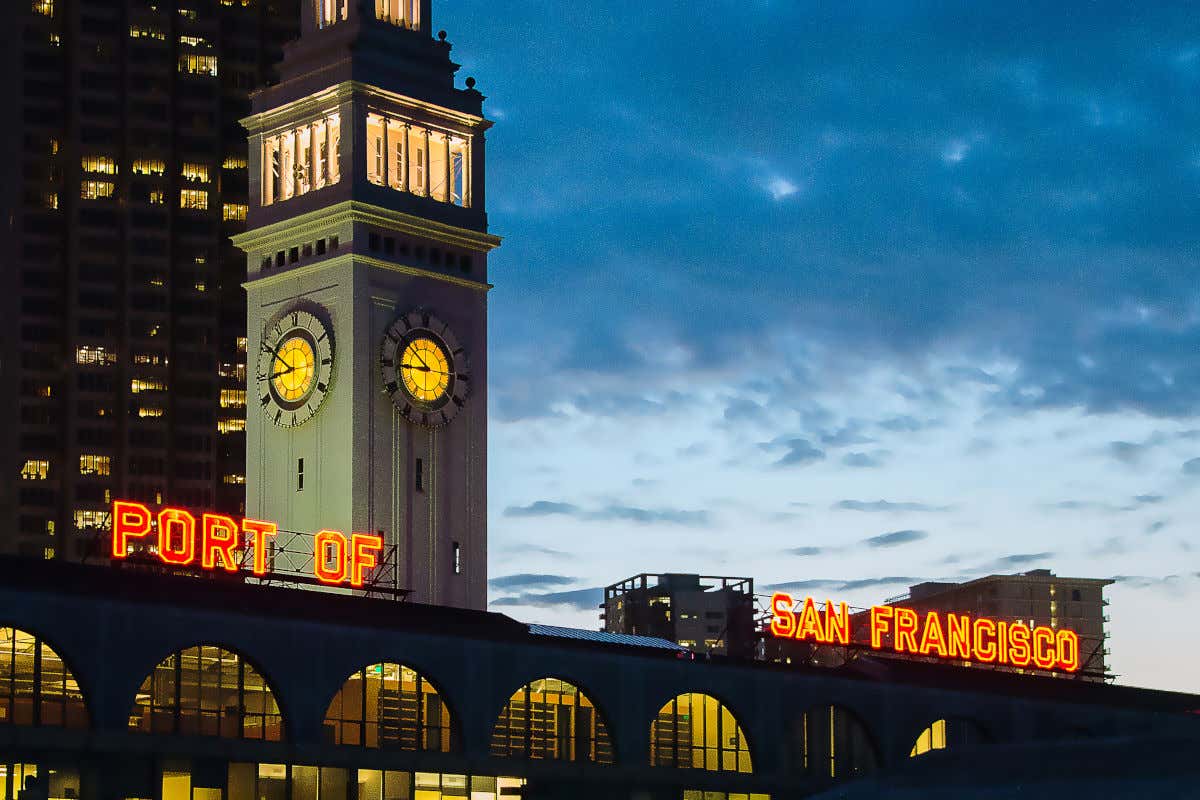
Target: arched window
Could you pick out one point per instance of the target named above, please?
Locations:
(389, 706)
(833, 743)
(946, 734)
(696, 731)
(36, 688)
(207, 691)
(552, 719)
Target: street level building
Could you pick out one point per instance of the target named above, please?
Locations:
(703, 613)
(123, 358)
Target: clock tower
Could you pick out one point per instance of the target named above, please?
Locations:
(367, 286)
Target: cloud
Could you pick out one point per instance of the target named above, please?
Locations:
(541, 508)
(1192, 467)
(800, 452)
(886, 506)
(1155, 582)
(578, 599)
(528, 581)
(836, 585)
(611, 512)
(895, 538)
(872, 460)
(806, 551)
(1013, 562)
(1157, 526)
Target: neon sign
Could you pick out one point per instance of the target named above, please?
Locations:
(215, 541)
(934, 634)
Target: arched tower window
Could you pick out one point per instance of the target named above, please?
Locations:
(36, 688)
(552, 719)
(696, 731)
(207, 691)
(948, 734)
(389, 706)
(832, 742)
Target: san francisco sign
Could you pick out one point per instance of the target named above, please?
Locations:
(958, 637)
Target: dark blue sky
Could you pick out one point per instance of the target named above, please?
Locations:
(766, 258)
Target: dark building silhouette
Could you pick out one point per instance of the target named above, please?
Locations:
(703, 613)
(123, 358)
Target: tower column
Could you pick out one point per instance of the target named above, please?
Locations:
(428, 165)
(449, 169)
(407, 159)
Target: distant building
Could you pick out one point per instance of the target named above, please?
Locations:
(1038, 597)
(704, 613)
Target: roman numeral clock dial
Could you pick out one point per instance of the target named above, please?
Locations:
(425, 369)
(295, 368)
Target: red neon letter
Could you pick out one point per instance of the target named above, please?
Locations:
(837, 626)
(1043, 647)
(218, 543)
(129, 520)
(958, 634)
(880, 617)
(985, 651)
(1068, 650)
(906, 628)
(810, 623)
(933, 642)
(783, 621)
(322, 558)
(1018, 644)
(260, 530)
(177, 518)
(363, 547)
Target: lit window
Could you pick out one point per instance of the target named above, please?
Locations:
(234, 211)
(36, 688)
(139, 385)
(157, 197)
(195, 172)
(48, 553)
(96, 190)
(242, 344)
(948, 734)
(55, 40)
(696, 731)
(44, 7)
(331, 12)
(405, 13)
(359, 713)
(552, 719)
(95, 356)
(50, 200)
(146, 412)
(196, 199)
(194, 41)
(148, 166)
(35, 469)
(140, 32)
(233, 425)
(92, 464)
(233, 398)
(301, 159)
(153, 359)
(88, 519)
(103, 165)
(207, 691)
(193, 64)
(234, 162)
(234, 480)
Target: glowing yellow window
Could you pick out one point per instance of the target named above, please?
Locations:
(92, 464)
(35, 470)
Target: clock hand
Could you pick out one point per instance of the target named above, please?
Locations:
(415, 367)
(284, 372)
(417, 356)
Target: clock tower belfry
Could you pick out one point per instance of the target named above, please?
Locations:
(367, 285)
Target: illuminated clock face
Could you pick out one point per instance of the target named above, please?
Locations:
(424, 369)
(295, 367)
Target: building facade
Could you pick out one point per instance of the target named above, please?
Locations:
(121, 684)
(705, 614)
(124, 361)
(367, 296)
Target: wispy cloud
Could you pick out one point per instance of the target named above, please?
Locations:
(529, 581)
(895, 538)
(579, 599)
(886, 506)
(613, 512)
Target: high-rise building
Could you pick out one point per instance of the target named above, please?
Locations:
(367, 296)
(123, 359)
(706, 614)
